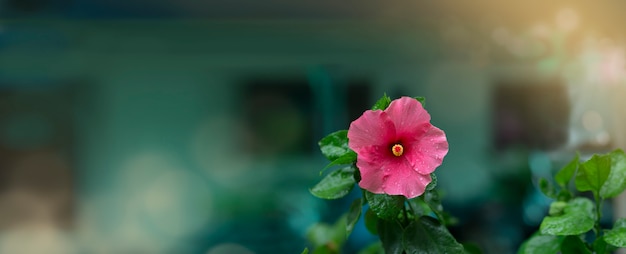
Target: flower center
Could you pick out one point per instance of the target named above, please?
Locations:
(397, 150)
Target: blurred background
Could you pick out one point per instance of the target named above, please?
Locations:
(155, 126)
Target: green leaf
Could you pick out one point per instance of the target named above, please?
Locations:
(374, 248)
(422, 100)
(565, 174)
(382, 103)
(326, 249)
(577, 218)
(319, 234)
(335, 145)
(371, 220)
(335, 185)
(305, 251)
(564, 195)
(601, 247)
(620, 223)
(557, 208)
(353, 215)
(339, 230)
(546, 188)
(328, 239)
(433, 183)
(617, 235)
(541, 244)
(419, 207)
(390, 233)
(348, 158)
(427, 235)
(574, 245)
(338, 235)
(593, 173)
(385, 206)
(616, 181)
(431, 198)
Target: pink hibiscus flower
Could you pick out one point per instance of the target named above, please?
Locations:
(397, 148)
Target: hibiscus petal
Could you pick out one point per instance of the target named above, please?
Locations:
(427, 150)
(403, 180)
(371, 176)
(373, 128)
(408, 116)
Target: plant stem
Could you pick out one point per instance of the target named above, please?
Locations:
(599, 201)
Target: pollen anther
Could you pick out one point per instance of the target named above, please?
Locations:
(397, 150)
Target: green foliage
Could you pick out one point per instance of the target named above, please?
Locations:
(422, 100)
(382, 103)
(386, 207)
(328, 239)
(433, 183)
(390, 233)
(601, 247)
(371, 220)
(616, 181)
(433, 201)
(335, 145)
(424, 235)
(620, 223)
(564, 176)
(577, 218)
(353, 215)
(593, 173)
(617, 235)
(429, 204)
(427, 235)
(556, 208)
(573, 244)
(570, 218)
(326, 249)
(335, 185)
(419, 207)
(305, 251)
(546, 188)
(348, 158)
(541, 244)
(335, 148)
(374, 248)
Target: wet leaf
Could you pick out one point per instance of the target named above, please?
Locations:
(335, 145)
(593, 173)
(382, 103)
(386, 207)
(427, 235)
(617, 235)
(564, 176)
(616, 182)
(353, 215)
(547, 188)
(336, 184)
(390, 233)
(577, 218)
(541, 244)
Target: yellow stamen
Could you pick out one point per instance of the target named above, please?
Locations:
(397, 150)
